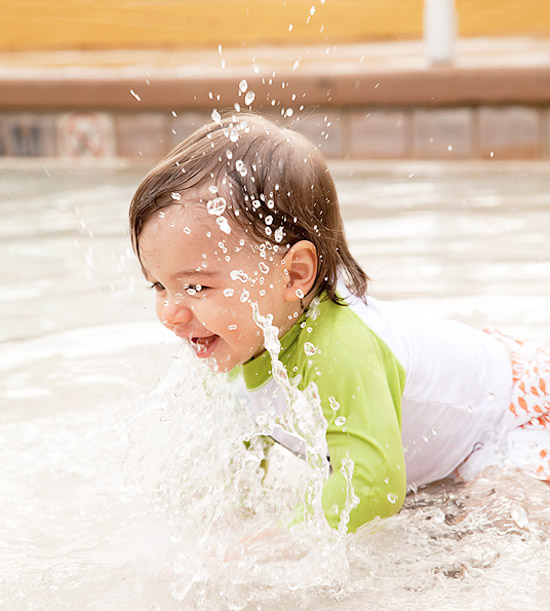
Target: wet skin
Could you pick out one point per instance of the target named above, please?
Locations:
(206, 280)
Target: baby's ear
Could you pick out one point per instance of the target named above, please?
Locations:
(300, 264)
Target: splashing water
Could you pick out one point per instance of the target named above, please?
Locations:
(216, 206)
(216, 117)
(222, 511)
(220, 514)
(76, 533)
(240, 167)
(304, 419)
(223, 224)
(211, 501)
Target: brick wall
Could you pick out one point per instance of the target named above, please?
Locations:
(353, 132)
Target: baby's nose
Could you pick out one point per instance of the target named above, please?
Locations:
(174, 312)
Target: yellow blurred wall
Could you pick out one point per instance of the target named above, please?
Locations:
(105, 24)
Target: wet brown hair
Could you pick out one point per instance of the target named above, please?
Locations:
(277, 186)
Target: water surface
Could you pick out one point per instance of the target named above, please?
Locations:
(120, 493)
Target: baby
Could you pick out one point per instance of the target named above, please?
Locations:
(240, 224)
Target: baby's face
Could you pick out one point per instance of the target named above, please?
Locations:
(206, 279)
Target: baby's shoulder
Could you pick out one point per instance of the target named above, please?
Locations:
(333, 337)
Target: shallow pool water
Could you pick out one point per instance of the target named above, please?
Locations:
(124, 481)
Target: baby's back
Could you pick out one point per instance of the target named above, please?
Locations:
(457, 388)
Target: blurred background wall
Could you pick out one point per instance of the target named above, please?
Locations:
(106, 24)
(130, 78)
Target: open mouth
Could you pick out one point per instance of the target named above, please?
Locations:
(203, 346)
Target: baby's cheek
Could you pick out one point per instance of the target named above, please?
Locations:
(159, 306)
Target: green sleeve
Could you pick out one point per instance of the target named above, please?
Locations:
(366, 426)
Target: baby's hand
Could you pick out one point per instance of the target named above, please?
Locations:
(268, 543)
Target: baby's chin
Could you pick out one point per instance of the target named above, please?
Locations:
(214, 365)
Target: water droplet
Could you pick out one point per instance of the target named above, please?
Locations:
(334, 405)
(519, 515)
(137, 96)
(289, 112)
(223, 224)
(228, 292)
(392, 498)
(249, 98)
(244, 296)
(238, 274)
(263, 267)
(216, 206)
(176, 196)
(279, 234)
(240, 167)
(231, 327)
(162, 214)
(268, 219)
(243, 86)
(216, 117)
(233, 135)
(213, 189)
(341, 420)
(310, 349)
(290, 26)
(299, 293)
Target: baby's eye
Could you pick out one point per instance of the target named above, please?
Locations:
(193, 289)
(157, 286)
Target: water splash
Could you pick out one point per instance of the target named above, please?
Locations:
(223, 224)
(216, 206)
(243, 86)
(304, 419)
(216, 117)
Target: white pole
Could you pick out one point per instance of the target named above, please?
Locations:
(439, 30)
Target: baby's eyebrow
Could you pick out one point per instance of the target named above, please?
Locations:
(197, 271)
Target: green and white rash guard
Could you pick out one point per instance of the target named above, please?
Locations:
(413, 396)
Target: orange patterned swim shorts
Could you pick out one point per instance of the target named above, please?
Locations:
(530, 407)
(524, 441)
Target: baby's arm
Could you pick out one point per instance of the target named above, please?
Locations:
(370, 437)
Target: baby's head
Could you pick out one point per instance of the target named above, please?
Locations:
(241, 212)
